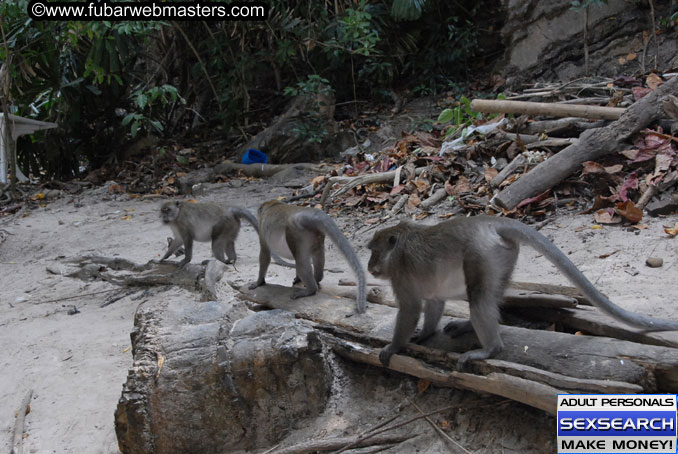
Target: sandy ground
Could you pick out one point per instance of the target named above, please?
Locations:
(76, 364)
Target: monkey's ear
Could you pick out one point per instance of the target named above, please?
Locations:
(392, 240)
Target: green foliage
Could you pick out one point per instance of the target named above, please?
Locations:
(407, 9)
(462, 116)
(75, 74)
(105, 83)
(142, 118)
(311, 126)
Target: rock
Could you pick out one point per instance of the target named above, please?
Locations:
(654, 262)
(543, 40)
(664, 206)
(305, 132)
(215, 377)
(191, 179)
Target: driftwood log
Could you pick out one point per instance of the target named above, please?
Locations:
(546, 108)
(592, 145)
(534, 367)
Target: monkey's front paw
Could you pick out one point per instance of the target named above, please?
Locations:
(254, 285)
(296, 281)
(386, 353)
(183, 263)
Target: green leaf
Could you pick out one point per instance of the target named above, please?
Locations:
(128, 118)
(135, 129)
(446, 116)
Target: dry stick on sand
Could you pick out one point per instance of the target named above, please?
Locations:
(336, 443)
(593, 144)
(438, 429)
(372, 431)
(18, 435)
(352, 182)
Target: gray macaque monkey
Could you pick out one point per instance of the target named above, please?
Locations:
(299, 233)
(206, 222)
(474, 258)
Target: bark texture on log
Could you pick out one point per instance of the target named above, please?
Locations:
(213, 377)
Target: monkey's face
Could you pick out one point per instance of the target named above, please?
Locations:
(382, 245)
(169, 212)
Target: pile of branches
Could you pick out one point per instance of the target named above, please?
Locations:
(611, 153)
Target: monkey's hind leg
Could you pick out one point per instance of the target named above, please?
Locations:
(433, 310)
(188, 254)
(485, 293)
(318, 258)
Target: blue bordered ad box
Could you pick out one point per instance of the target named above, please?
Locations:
(616, 423)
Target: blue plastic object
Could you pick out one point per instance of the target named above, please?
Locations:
(254, 156)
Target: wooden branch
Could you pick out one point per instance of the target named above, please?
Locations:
(560, 125)
(18, 434)
(545, 108)
(333, 444)
(402, 201)
(515, 388)
(593, 144)
(437, 197)
(554, 142)
(518, 162)
(352, 182)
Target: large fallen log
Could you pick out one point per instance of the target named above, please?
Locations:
(593, 144)
(532, 369)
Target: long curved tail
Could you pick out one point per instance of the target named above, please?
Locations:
(244, 214)
(318, 220)
(518, 232)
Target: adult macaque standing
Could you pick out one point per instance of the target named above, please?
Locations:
(472, 257)
(205, 222)
(299, 233)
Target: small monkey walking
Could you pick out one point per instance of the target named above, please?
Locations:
(299, 233)
(472, 257)
(205, 222)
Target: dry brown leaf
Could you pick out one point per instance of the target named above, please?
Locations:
(606, 216)
(608, 254)
(592, 167)
(422, 185)
(420, 216)
(640, 92)
(413, 201)
(653, 81)
(317, 181)
(614, 169)
(641, 226)
(671, 231)
(463, 185)
(423, 385)
(631, 57)
(490, 173)
(371, 221)
(630, 211)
